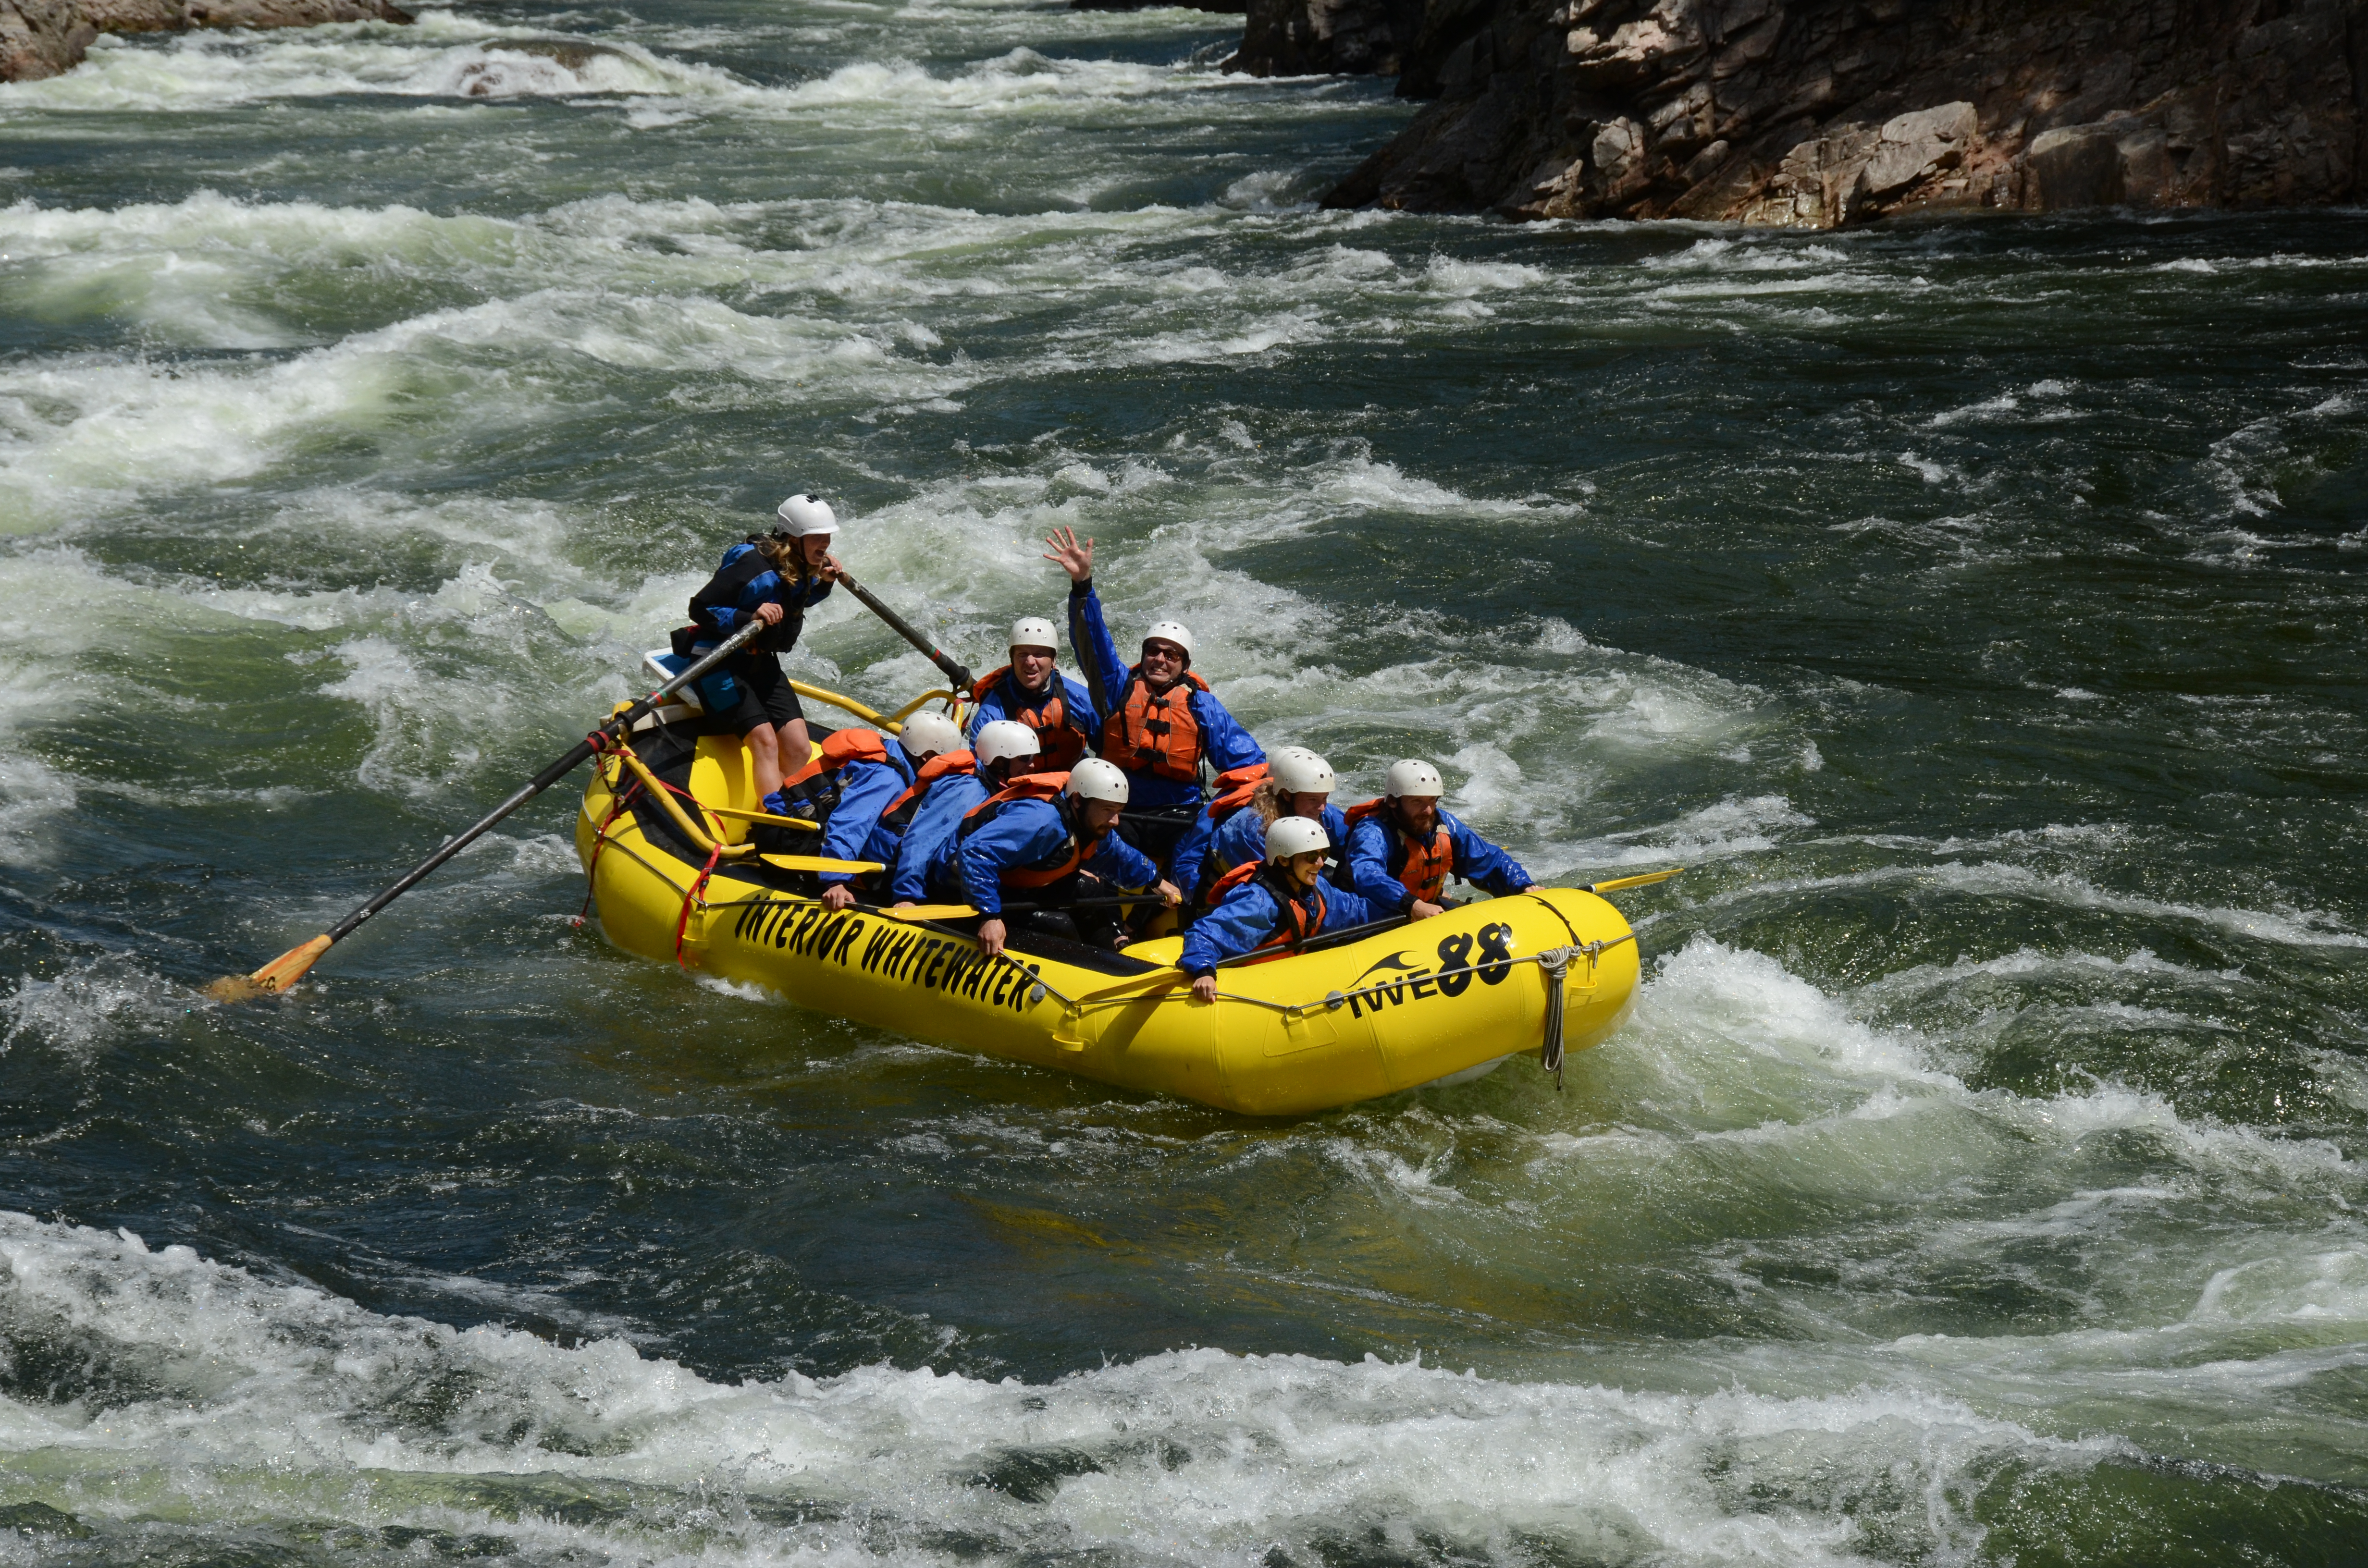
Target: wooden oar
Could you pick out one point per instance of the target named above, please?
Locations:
(955, 672)
(288, 967)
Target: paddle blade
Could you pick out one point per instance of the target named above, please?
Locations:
(820, 863)
(799, 823)
(272, 978)
(933, 912)
(1646, 880)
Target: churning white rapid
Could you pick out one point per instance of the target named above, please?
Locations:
(1973, 608)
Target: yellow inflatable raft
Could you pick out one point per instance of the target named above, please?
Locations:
(1443, 999)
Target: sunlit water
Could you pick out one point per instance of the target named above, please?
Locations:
(1975, 608)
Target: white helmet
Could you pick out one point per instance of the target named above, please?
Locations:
(932, 733)
(1004, 738)
(1035, 631)
(804, 514)
(1295, 835)
(1172, 632)
(1302, 772)
(1094, 779)
(1413, 777)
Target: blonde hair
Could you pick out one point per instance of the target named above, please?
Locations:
(1270, 801)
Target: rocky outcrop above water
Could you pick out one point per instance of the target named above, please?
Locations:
(1823, 113)
(42, 37)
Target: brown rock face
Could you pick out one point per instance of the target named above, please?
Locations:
(1315, 38)
(40, 38)
(58, 31)
(1822, 113)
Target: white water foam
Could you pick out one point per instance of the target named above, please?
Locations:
(210, 1377)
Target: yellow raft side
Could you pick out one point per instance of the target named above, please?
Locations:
(1398, 1010)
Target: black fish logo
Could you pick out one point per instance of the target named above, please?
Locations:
(1395, 960)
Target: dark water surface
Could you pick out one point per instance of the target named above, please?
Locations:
(1977, 609)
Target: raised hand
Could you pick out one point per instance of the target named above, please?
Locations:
(1077, 559)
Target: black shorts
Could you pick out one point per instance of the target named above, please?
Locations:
(749, 690)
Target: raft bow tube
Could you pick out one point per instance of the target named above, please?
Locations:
(1440, 998)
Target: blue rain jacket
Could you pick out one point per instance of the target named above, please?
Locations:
(1025, 832)
(865, 790)
(1249, 915)
(1375, 850)
(929, 841)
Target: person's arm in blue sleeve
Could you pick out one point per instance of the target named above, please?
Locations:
(1105, 671)
(861, 802)
(1233, 928)
(1482, 863)
(1191, 854)
(1228, 744)
(940, 815)
(817, 591)
(1369, 866)
(1085, 711)
(1026, 831)
(1344, 910)
(1120, 864)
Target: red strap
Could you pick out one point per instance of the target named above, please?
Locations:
(683, 925)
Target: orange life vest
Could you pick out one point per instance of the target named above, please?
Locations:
(1156, 733)
(937, 767)
(1291, 925)
(838, 748)
(1235, 788)
(1064, 861)
(1061, 736)
(1421, 869)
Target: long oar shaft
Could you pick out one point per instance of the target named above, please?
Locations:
(289, 966)
(955, 671)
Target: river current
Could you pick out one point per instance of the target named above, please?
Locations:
(1975, 608)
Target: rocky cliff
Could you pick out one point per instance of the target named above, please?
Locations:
(1821, 113)
(41, 37)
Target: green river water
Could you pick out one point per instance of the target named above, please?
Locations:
(1976, 609)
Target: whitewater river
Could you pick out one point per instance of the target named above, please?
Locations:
(1977, 609)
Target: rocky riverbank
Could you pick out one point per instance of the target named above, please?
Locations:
(1823, 113)
(42, 37)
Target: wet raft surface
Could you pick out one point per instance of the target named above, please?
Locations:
(1976, 607)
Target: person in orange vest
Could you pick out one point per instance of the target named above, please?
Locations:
(1030, 690)
(1046, 838)
(1001, 752)
(1160, 722)
(859, 777)
(1278, 902)
(1402, 848)
(1231, 830)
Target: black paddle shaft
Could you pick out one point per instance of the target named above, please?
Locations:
(957, 673)
(584, 750)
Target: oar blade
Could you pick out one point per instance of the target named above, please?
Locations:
(933, 912)
(820, 863)
(272, 978)
(1646, 880)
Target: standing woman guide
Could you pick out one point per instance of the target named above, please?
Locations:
(775, 577)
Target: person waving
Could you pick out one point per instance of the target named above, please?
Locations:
(1160, 722)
